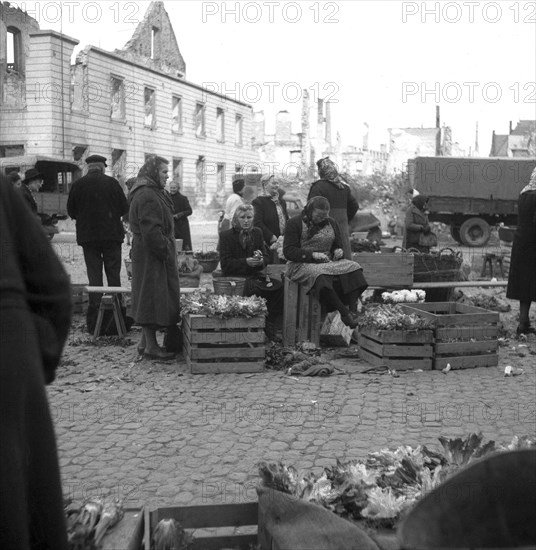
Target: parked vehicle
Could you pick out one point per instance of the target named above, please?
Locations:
(58, 176)
(471, 194)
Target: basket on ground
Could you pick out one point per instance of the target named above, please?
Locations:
(396, 349)
(208, 265)
(215, 345)
(231, 286)
(464, 336)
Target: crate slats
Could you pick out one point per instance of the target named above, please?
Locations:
(396, 349)
(465, 336)
(387, 270)
(210, 517)
(214, 345)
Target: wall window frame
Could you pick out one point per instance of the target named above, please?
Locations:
(220, 125)
(239, 130)
(176, 114)
(117, 98)
(199, 120)
(149, 103)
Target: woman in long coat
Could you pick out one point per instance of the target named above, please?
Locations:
(416, 224)
(522, 276)
(155, 279)
(343, 205)
(35, 312)
(270, 214)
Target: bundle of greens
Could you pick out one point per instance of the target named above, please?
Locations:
(223, 306)
(391, 317)
(169, 535)
(388, 483)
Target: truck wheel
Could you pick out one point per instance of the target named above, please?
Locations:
(475, 232)
(455, 234)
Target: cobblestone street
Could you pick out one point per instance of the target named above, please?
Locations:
(152, 432)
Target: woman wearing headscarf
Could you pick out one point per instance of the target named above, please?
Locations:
(155, 279)
(343, 205)
(270, 214)
(522, 276)
(244, 254)
(35, 313)
(313, 248)
(416, 224)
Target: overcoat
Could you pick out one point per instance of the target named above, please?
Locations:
(343, 207)
(413, 227)
(233, 255)
(181, 206)
(97, 203)
(35, 310)
(155, 279)
(266, 218)
(522, 276)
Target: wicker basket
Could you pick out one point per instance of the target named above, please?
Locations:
(231, 286)
(208, 265)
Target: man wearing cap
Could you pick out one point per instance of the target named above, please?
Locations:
(97, 203)
(32, 183)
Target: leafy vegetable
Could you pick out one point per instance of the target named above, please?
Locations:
(392, 317)
(223, 306)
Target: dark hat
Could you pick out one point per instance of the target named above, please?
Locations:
(32, 174)
(238, 185)
(96, 158)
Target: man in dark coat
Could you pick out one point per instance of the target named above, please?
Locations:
(182, 207)
(32, 182)
(343, 205)
(35, 314)
(97, 203)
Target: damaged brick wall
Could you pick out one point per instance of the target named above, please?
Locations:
(154, 43)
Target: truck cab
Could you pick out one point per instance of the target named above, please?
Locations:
(58, 174)
(471, 194)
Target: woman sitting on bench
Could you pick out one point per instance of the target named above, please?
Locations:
(244, 254)
(313, 248)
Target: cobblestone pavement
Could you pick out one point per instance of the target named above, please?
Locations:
(152, 432)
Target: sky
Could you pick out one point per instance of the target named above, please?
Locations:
(382, 64)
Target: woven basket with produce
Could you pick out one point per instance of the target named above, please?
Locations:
(208, 260)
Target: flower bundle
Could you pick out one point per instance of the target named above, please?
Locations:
(392, 317)
(404, 296)
(223, 306)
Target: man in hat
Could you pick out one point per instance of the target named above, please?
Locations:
(97, 203)
(343, 205)
(32, 183)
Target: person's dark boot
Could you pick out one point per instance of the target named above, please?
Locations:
(525, 329)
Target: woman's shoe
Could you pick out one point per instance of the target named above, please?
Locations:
(350, 320)
(525, 329)
(160, 355)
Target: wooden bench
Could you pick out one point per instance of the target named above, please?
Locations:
(109, 302)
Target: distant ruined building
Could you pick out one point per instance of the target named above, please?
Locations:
(519, 142)
(126, 105)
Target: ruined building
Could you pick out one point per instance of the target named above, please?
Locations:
(125, 105)
(519, 142)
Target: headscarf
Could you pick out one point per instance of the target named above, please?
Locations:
(244, 236)
(150, 170)
(532, 183)
(420, 201)
(320, 203)
(327, 170)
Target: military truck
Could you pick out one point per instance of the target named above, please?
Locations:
(471, 194)
(58, 174)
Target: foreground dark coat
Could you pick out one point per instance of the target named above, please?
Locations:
(35, 314)
(155, 279)
(522, 276)
(97, 203)
(28, 197)
(343, 207)
(266, 218)
(233, 256)
(182, 207)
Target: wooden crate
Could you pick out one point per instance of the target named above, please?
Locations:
(397, 349)
(213, 526)
(214, 345)
(79, 298)
(464, 336)
(390, 270)
(128, 534)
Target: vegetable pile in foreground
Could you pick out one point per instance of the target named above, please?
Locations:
(87, 525)
(404, 296)
(214, 305)
(384, 486)
(392, 317)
